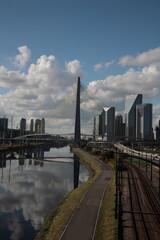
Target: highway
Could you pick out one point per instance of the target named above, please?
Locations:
(154, 157)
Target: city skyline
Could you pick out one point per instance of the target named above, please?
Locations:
(107, 126)
(136, 125)
(113, 46)
(134, 105)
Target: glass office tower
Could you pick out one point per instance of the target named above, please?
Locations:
(130, 115)
(22, 126)
(119, 127)
(97, 127)
(144, 121)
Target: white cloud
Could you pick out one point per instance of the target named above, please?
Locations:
(40, 92)
(34, 93)
(89, 105)
(73, 67)
(156, 107)
(16, 229)
(99, 66)
(22, 58)
(29, 196)
(11, 79)
(146, 58)
(113, 89)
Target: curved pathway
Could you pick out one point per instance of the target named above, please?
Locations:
(83, 223)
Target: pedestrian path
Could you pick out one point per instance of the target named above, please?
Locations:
(83, 223)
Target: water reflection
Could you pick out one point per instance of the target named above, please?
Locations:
(33, 182)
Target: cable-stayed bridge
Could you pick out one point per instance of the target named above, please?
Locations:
(76, 110)
(71, 118)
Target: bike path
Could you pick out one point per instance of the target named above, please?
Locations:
(83, 223)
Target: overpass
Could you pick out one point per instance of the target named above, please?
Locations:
(119, 148)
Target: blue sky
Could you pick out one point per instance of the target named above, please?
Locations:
(106, 42)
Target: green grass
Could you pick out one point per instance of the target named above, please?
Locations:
(136, 161)
(58, 218)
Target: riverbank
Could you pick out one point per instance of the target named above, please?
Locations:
(59, 217)
(18, 146)
(14, 146)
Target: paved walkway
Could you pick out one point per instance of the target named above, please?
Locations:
(83, 222)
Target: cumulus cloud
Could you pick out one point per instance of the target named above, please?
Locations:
(156, 112)
(89, 105)
(42, 91)
(29, 196)
(146, 58)
(11, 79)
(26, 196)
(113, 89)
(99, 66)
(73, 67)
(16, 228)
(22, 58)
(156, 107)
(33, 94)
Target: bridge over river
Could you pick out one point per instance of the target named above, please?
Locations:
(71, 120)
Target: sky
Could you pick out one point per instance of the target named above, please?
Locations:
(45, 45)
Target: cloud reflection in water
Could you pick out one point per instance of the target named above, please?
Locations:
(28, 194)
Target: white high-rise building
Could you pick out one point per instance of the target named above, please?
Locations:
(108, 123)
(37, 126)
(40, 125)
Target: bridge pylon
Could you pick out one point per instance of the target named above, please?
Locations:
(77, 132)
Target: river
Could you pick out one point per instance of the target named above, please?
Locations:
(32, 182)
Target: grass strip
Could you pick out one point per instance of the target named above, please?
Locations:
(139, 162)
(107, 224)
(59, 217)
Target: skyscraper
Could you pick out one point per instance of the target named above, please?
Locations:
(37, 126)
(157, 131)
(130, 115)
(22, 126)
(40, 125)
(3, 126)
(31, 125)
(108, 120)
(97, 126)
(119, 127)
(43, 125)
(144, 121)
